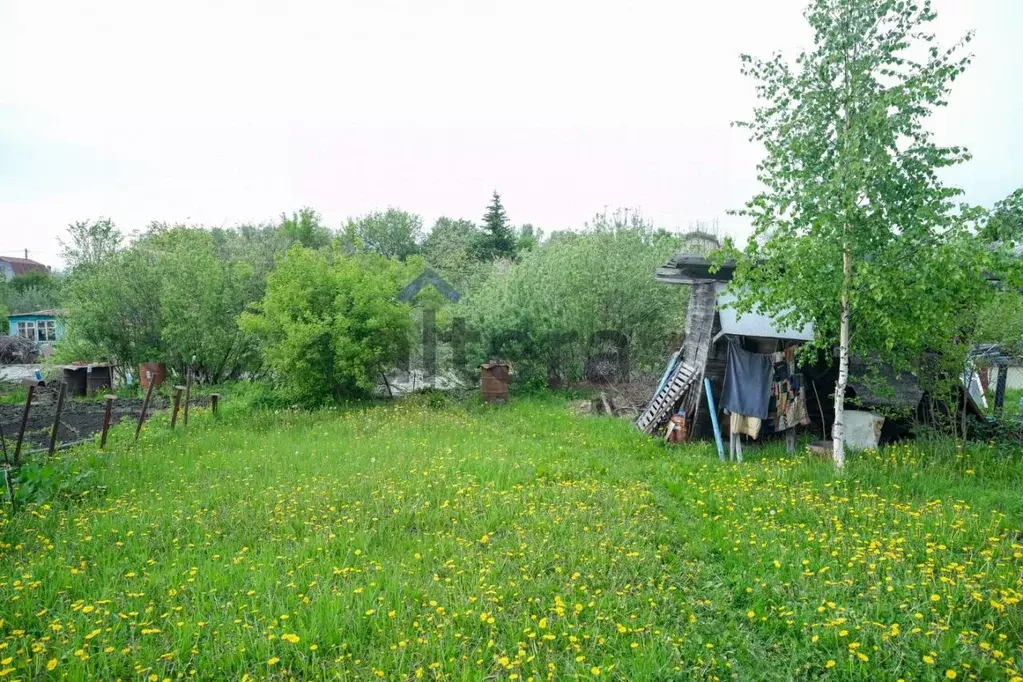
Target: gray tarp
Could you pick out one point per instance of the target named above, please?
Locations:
(747, 383)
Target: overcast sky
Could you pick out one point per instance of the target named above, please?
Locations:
(225, 112)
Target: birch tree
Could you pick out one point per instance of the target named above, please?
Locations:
(853, 229)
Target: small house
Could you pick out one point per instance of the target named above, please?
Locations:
(12, 267)
(44, 327)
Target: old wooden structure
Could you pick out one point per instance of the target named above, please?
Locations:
(711, 324)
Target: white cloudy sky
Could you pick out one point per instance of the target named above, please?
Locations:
(219, 112)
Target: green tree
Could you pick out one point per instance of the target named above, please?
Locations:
(854, 231)
(114, 311)
(527, 237)
(173, 296)
(329, 323)
(392, 233)
(89, 242)
(306, 228)
(1006, 221)
(498, 239)
(451, 248)
(575, 296)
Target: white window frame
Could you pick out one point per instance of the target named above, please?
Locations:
(46, 330)
(27, 329)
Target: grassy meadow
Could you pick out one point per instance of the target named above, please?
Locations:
(522, 542)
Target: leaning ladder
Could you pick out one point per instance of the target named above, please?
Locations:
(664, 402)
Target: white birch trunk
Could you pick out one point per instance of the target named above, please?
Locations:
(838, 429)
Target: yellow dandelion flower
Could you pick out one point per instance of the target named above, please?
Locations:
(830, 663)
(951, 674)
(51, 664)
(291, 637)
(273, 661)
(595, 671)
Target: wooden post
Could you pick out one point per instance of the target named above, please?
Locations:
(214, 399)
(145, 406)
(790, 441)
(24, 424)
(56, 417)
(177, 404)
(188, 393)
(106, 421)
(1003, 376)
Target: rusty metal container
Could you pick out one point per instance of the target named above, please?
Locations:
(494, 381)
(158, 370)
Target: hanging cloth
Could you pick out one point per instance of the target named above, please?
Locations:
(747, 388)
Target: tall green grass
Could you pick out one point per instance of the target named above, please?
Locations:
(443, 541)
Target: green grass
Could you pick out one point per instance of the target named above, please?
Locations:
(519, 542)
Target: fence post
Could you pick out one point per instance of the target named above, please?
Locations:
(106, 421)
(214, 400)
(145, 406)
(24, 424)
(1003, 375)
(56, 417)
(188, 393)
(177, 404)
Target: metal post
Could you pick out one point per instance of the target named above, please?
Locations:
(1003, 376)
(177, 403)
(188, 393)
(214, 400)
(24, 424)
(106, 421)
(56, 417)
(714, 419)
(145, 406)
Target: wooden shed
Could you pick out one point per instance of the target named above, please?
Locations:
(711, 325)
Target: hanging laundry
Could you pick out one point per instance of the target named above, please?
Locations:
(747, 389)
(790, 400)
(740, 423)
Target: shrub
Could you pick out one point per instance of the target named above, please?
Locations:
(329, 323)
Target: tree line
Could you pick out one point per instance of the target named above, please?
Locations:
(314, 311)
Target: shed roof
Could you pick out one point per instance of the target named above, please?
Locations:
(50, 312)
(691, 268)
(22, 265)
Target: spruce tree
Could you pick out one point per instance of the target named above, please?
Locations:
(498, 239)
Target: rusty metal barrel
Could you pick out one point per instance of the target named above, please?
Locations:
(157, 370)
(494, 381)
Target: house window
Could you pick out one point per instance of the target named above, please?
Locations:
(47, 330)
(27, 330)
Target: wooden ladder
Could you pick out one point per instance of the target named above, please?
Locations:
(664, 402)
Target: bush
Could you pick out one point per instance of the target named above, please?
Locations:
(329, 323)
(582, 304)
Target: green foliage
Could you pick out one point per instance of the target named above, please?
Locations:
(391, 234)
(498, 239)
(29, 292)
(114, 311)
(329, 322)
(172, 296)
(306, 228)
(1005, 223)
(527, 237)
(546, 312)
(30, 299)
(201, 295)
(89, 242)
(854, 229)
(452, 248)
